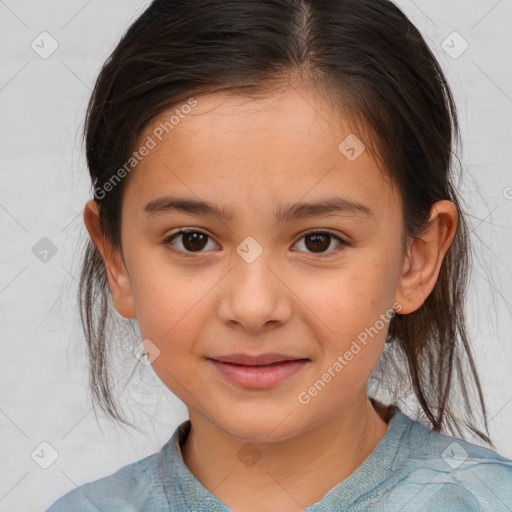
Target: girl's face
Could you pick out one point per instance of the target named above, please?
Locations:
(258, 281)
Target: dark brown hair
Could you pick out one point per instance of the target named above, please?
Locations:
(376, 68)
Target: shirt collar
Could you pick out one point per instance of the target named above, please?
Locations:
(185, 492)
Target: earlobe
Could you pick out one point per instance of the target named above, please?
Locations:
(425, 255)
(118, 278)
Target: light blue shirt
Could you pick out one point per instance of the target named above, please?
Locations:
(410, 469)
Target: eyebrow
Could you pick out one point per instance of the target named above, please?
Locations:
(331, 205)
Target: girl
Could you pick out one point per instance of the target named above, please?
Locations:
(273, 203)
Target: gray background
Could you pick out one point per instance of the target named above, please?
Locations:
(43, 380)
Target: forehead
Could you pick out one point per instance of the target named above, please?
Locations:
(232, 149)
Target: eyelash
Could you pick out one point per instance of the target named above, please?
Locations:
(343, 243)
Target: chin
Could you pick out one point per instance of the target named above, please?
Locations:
(261, 428)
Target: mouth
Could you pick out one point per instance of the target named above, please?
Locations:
(258, 376)
(256, 360)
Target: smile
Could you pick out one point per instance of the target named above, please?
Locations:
(258, 376)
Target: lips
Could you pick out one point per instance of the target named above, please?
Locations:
(257, 372)
(256, 360)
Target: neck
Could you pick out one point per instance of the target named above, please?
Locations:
(289, 475)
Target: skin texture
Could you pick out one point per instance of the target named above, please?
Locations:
(249, 157)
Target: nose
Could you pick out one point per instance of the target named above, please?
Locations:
(254, 296)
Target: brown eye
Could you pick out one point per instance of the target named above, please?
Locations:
(318, 242)
(194, 241)
(191, 241)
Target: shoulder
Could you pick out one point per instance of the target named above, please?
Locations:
(452, 474)
(136, 486)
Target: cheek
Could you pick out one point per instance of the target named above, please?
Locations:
(171, 317)
(172, 304)
(350, 347)
(169, 304)
(351, 299)
(352, 312)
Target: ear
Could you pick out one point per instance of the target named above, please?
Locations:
(425, 255)
(118, 278)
